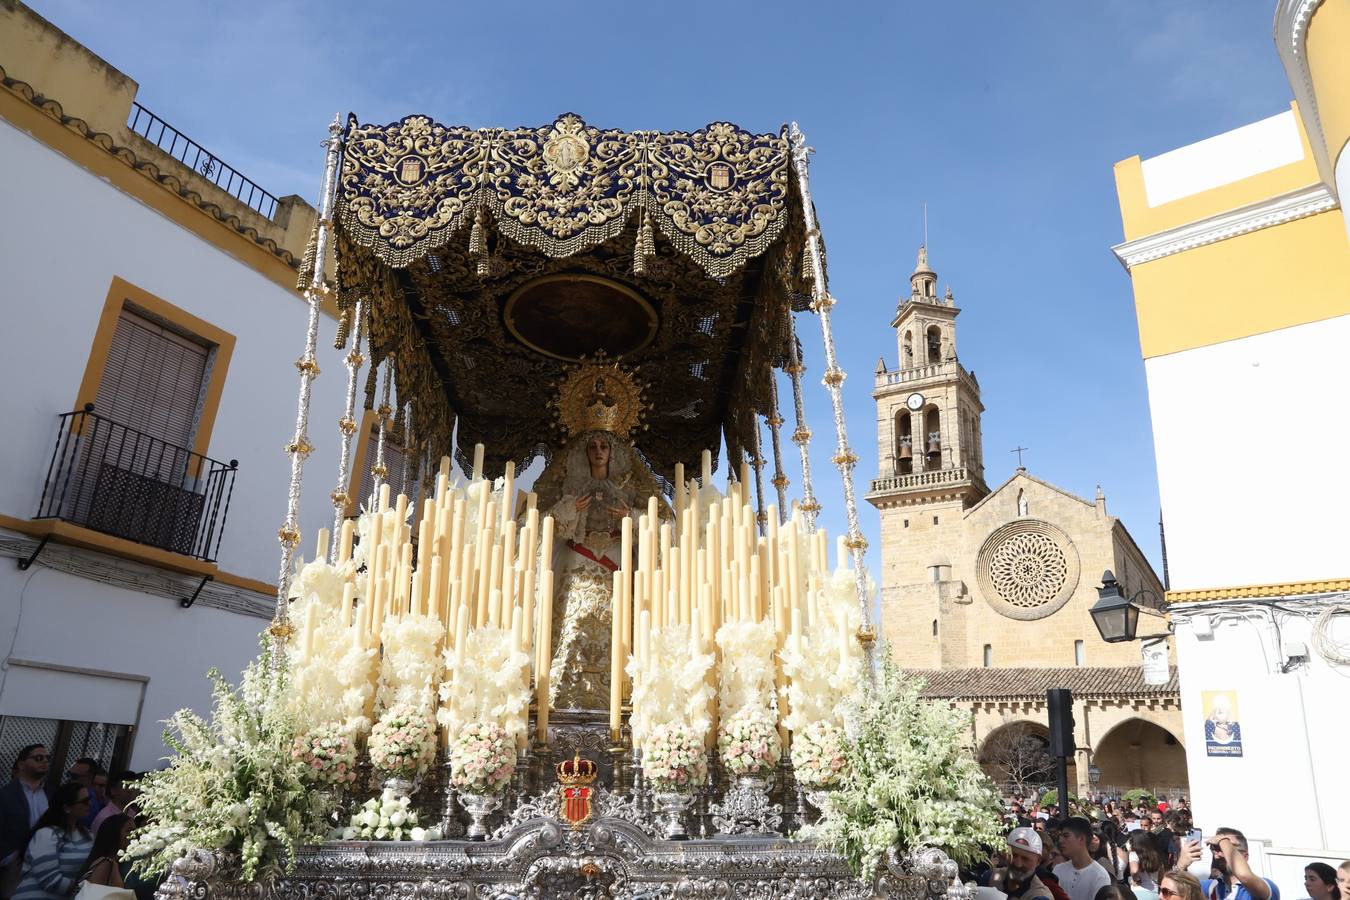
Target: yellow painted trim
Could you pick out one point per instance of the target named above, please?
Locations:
(1259, 591)
(119, 293)
(78, 536)
(1138, 219)
(1259, 282)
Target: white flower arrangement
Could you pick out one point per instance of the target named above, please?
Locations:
(825, 665)
(489, 682)
(368, 533)
(819, 755)
(482, 758)
(403, 742)
(672, 687)
(748, 744)
(334, 685)
(329, 756)
(912, 782)
(411, 668)
(233, 784)
(747, 671)
(320, 579)
(673, 758)
(387, 817)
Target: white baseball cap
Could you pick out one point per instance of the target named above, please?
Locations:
(1025, 839)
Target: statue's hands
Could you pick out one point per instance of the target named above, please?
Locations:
(583, 503)
(619, 511)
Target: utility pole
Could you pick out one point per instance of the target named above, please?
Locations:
(1060, 704)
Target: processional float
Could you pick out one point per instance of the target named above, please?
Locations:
(616, 723)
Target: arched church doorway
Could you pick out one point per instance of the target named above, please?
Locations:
(1138, 753)
(1016, 755)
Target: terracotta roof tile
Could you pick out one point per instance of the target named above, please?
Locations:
(1028, 683)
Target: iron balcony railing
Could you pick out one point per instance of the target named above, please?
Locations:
(200, 160)
(123, 482)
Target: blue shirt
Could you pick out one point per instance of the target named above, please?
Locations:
(1218, 889)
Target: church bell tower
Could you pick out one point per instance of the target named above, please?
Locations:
(928, 414)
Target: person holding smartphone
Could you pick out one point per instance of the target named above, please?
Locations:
(1236, 881)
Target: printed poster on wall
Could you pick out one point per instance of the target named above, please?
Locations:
(1223, 730)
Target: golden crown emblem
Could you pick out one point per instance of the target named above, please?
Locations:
(599, 395)
(576, 771)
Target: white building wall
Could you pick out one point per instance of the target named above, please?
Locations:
(69, 234)
(1250, 445)
(1223, 159)
(65, 236)
(52, 617)
(1288, 787)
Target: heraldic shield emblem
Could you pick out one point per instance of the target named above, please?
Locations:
(576, 777)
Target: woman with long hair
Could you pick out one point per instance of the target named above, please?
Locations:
(101, 866)
(56, 848)
(1148, 860)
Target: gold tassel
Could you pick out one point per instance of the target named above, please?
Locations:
(477, 241)
(644, 247)
(343, 328)
(808, 266)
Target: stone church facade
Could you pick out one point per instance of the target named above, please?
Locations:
(991, 588)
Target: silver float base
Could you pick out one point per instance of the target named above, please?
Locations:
(546, 858)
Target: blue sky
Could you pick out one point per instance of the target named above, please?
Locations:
(1005, 118)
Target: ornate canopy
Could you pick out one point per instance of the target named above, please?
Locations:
(488, 259)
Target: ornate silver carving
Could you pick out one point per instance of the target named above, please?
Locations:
(671, 806)
(479, 807)
(746, 808)
(540, 859)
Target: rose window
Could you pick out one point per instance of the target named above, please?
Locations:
(1027, 569)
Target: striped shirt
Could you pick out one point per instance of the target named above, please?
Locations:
(51, 866)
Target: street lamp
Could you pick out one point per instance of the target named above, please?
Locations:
(1117, 616)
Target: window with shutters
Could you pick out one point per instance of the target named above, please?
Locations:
(130, 459)
(400, 474)
(152, 382)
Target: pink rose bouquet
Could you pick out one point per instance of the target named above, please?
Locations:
(329, 756)
(403, 742)
(482, 758)
(674, 759)
(748, 744)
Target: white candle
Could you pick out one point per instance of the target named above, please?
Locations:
(477, 462)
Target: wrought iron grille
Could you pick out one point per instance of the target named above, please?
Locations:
(65, 740)
(200, 160)
(120, 481)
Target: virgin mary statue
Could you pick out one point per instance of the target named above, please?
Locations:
(596, 482)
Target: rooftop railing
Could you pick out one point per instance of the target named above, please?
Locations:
(200, 160)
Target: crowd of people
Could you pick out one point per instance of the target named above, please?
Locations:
(1126, 851)
(56, 839)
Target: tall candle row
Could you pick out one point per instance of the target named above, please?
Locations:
(712, 565)
(473, 565)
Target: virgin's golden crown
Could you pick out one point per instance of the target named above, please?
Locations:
(599, 396)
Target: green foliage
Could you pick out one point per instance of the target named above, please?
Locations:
(911, 781)
(1051, 798)
(233, 784)
(1138, 796)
